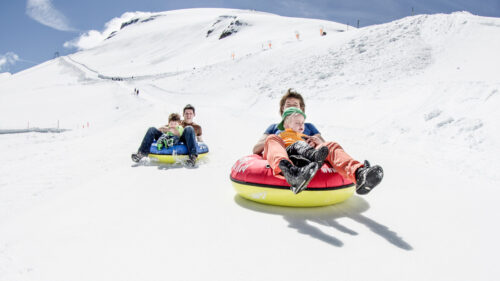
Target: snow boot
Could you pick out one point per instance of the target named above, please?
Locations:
(319, 155)
(164, 141)
(304, 149)
(191, 161)
(368, 177)
(136, 157)
(299, 160)
(160, 143)
(298, 178)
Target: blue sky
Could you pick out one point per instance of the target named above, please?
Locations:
(32, 31)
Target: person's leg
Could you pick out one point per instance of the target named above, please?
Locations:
(175, 140)
(303, 149)
(151, 135)
(297, 159)
(277, 157)
(274, 152)
(189, 138)
(344, 164)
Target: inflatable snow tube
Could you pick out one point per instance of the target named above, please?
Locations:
(253, 179)
(176, 153)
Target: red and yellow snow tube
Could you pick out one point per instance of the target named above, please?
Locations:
(253, 179)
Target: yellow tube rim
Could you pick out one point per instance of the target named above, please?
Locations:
(285, 197)
(171, 159)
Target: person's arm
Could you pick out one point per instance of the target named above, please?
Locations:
(198, 137)
(163, 129)
(315, 140)
(315, 137)
(176, 131)
(319, 137)
(258, 148)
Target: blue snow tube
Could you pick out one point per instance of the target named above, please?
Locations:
(175, 153)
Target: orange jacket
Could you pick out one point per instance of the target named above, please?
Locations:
(289, 137)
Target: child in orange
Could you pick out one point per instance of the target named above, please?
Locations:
(292, 128)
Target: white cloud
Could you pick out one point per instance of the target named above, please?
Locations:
(8, 59)
(44, 12)
(93, 38)
(86, 41)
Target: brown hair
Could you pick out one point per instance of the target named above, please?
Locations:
(291, 93)
(174, 117)
(188, 106)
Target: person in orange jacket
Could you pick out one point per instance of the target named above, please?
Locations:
(291, 132)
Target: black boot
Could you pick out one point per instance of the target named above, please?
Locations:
(191, 161)
(368, 177)
(298, 178)
(304, 149)
(136, 157)
(299, 160)
(319, 155)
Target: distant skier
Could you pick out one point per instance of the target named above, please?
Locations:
(273, 149)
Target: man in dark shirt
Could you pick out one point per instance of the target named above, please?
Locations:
(190, 137)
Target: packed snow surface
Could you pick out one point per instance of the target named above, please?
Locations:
(418, 96)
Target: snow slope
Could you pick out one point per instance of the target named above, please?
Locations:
(418, 96)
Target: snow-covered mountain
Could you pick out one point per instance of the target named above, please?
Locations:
(418, 96)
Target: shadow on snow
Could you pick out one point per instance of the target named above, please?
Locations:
(301, 218)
